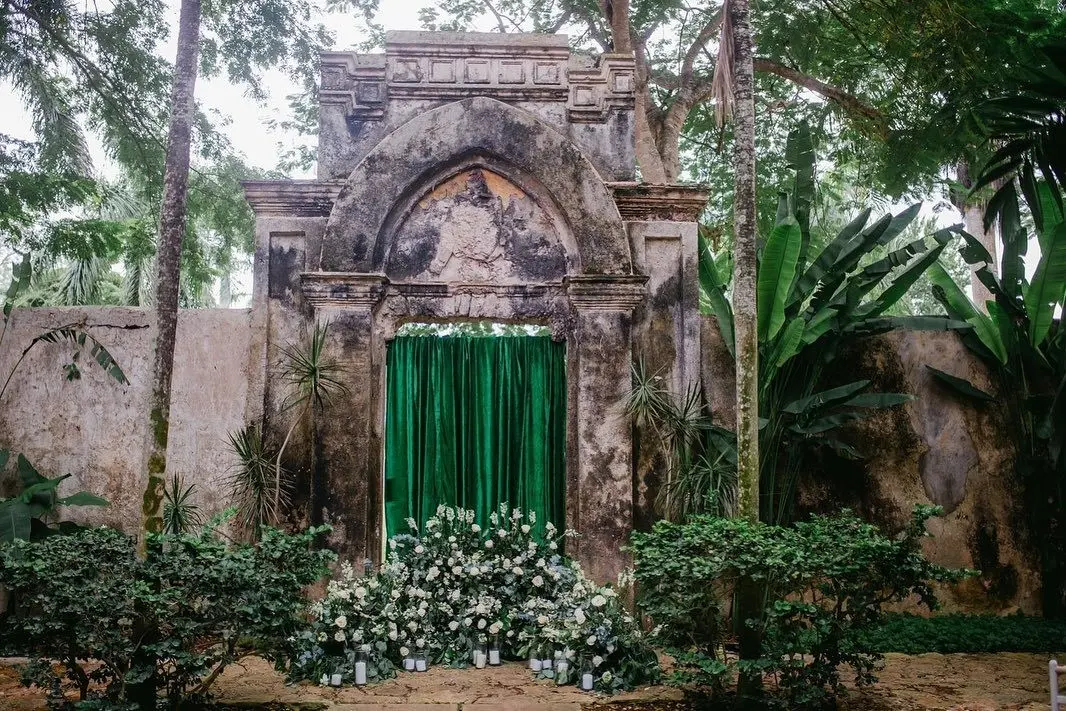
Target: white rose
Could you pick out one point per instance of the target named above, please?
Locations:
(591, 640)
(412, 625)
(537, 581)
(392, 635)
(467, 622)
(525, 528)
(542, 620)
(597, 660)
(481, 624)
(488, 543)
(599, 601)
(419, 549)
(475, 528)
(360, 592)
(339, 636)
(453, 625)
(579, 615)
(420, 642)
(494, 628)
(457, 570)
(516, 570)
(404, 651)
(341, 622)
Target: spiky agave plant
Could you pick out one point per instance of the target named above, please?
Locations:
(180, 513)
(259, 497)
(313, 379)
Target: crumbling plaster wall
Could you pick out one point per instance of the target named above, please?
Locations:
(936, 449)
(95, 429)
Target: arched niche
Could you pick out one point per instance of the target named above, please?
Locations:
(522, 148)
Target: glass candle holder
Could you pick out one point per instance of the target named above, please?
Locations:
(587, 680)
(534, 660)
(409, 663)
(362, 660)
(421, 662)
(546, 661)
(481, 656)
(494, 651)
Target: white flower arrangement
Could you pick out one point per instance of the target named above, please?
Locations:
(449, 591)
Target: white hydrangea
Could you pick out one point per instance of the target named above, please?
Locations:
(599, 601)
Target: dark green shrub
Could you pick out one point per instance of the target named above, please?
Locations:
(966, 634)
(826, 580)
(171, 622)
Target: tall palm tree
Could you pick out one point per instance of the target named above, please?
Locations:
(168, 258)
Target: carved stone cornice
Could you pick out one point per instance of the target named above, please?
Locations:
(343, 289)
(644, 202)
(606, 292)
(292, 198)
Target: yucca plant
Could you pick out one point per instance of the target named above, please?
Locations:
(180, 512)
(313, 379)
(810, 305)
(699, 478)
(260, 491)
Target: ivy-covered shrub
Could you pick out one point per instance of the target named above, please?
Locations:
(452, 586)
(170, 622)
(826, 581)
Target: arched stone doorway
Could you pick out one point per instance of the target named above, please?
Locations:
(474, 188)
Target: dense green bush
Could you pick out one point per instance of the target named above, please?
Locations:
(950, 634)
(826, 580)
(170, 622)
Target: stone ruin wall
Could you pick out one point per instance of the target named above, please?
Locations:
(933, 450)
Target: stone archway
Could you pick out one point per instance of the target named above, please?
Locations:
(468, 179)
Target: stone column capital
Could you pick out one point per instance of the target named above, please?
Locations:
(343, 289)
(606, 292)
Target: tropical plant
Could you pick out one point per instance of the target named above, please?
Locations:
(826, 583)
(26, 515)
(1023, 341)
(314, 379)
(180, 514)
(253, 482)
(810, 304)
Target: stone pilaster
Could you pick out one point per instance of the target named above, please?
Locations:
(349, 436)
(603, 307)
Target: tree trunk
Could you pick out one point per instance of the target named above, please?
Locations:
(744, 266)
(168, 259)
(973, 219)
(749, 592)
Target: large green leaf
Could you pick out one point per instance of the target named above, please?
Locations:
(878, 400)
(829, 422)
(712, 289)
(84, 498)
(777, 269)
(806, 283)
(960, 385)
(789, 342)
(825, 398)
(1048, 289)
(959, 306)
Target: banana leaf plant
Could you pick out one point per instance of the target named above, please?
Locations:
(811, 303)
(24, 516)
(1020, 336)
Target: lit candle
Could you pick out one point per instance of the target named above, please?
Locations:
(586, 681)
(494, 657)
(479, 661)
(360, 673)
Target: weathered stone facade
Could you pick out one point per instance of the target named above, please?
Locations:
(475, 176)
(491, 177)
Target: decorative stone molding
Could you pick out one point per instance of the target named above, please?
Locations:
(641, 202)
(291, 198)
(433, 66)
(595, 91)
(343, 289)
(606, 293)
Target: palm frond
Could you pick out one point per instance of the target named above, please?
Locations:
(257, 494)
(180, 513)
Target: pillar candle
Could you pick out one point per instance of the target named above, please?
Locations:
(360, 673)
(586, 681)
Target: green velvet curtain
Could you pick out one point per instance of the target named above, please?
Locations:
(474, 422)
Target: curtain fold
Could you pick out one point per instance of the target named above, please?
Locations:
(474, 422)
